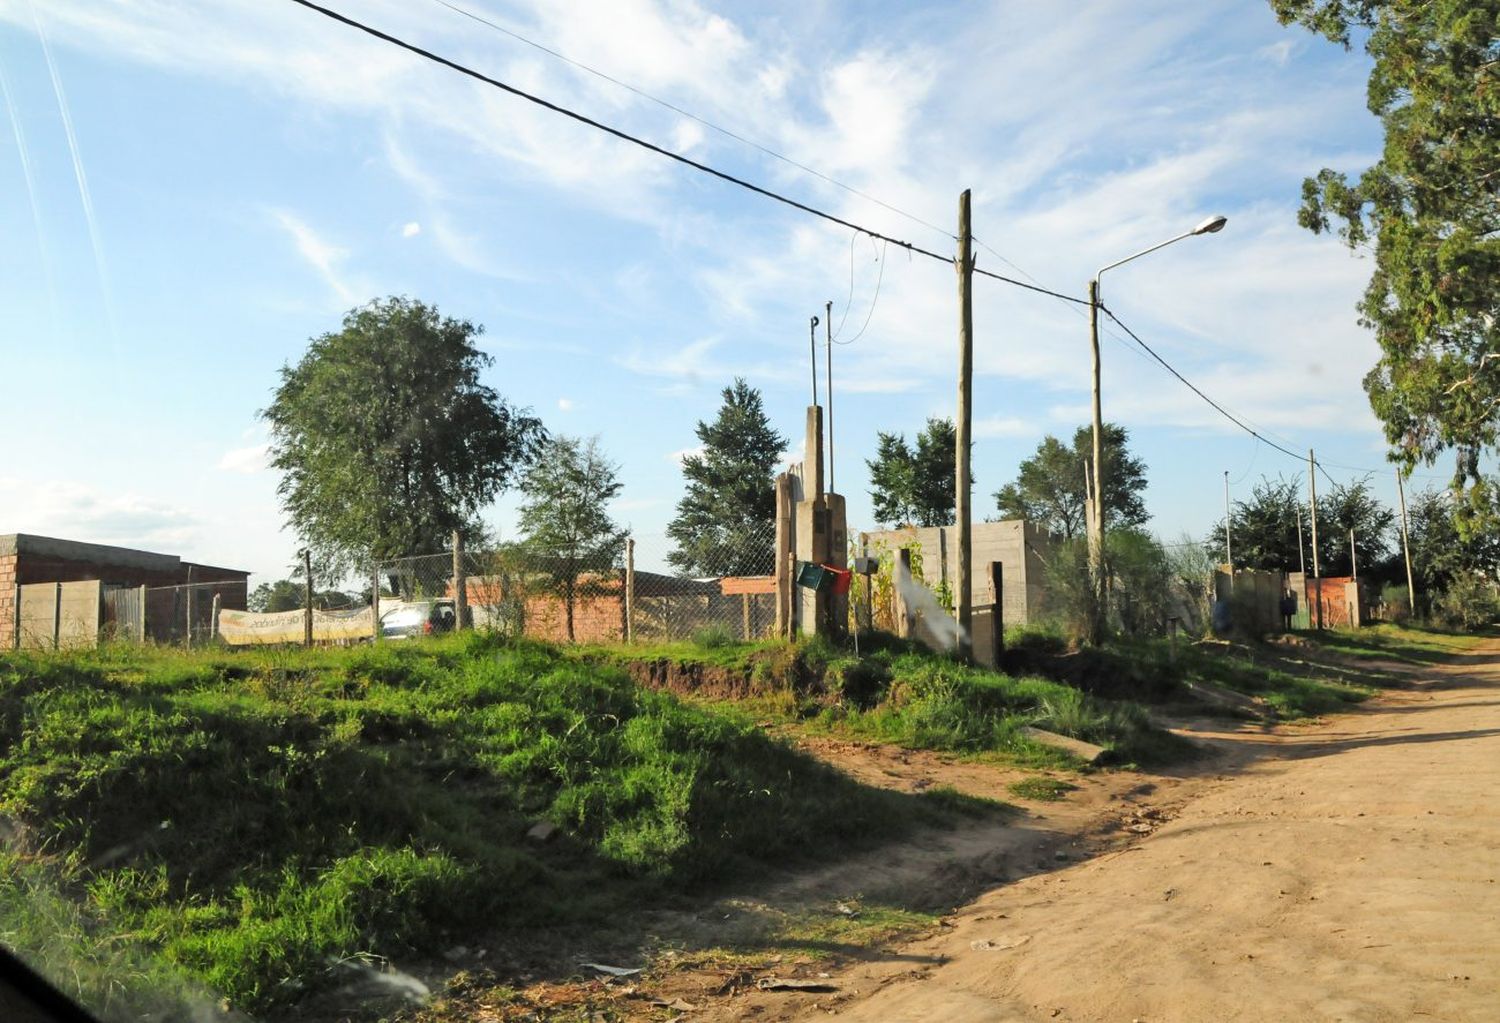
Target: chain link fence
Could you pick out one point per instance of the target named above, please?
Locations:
(645, 588)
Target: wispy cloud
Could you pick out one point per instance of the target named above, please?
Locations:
(246, 460)
(323, 256)
(411, 229)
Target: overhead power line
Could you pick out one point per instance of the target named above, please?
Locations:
(1236, 420)
(660, 151)
(668, 105)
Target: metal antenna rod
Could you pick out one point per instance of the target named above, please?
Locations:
(828, 328)
(812, 347)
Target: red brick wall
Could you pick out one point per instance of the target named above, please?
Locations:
(597, 618)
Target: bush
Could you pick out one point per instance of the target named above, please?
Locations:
(1469, 603)
(713, 637)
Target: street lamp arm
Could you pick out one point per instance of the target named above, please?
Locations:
(1144, 252)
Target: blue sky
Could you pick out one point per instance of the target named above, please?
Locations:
(189, 191)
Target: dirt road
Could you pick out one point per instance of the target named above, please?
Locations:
(1342, 871)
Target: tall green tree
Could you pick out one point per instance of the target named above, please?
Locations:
(1049, 488)
(1353, 506)
(1430, 207)
(725, 521)
(915, 485)
(1263, 530)
(1439, 553)
(386, 439)
(564, 522)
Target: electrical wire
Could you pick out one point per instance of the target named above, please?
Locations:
(625, 136)
(873, 302)
(455, 8)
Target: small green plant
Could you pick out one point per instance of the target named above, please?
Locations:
(713, 637)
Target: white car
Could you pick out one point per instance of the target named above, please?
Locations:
(406, 619)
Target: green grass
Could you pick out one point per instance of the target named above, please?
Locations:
(1410, 644)
(931, 702)
(253, 818)
(1041, 789)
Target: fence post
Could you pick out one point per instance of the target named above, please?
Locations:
(15, 635)
(745, 597)
(460, 584)
(630, 589)
(187, 611)
(140, 626)
(375, 604)
(307, 593)
(56, 614)
(213, 624)
(997, 616)
(899, 610)
(792, 601)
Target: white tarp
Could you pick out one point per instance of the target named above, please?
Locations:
(246, 628)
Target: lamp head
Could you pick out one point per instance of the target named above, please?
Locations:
(1213, 225)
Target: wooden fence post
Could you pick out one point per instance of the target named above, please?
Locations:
(307, 592)
(140, 625)
(630, 590)
(15, 636)
(375, 604)
(997, 616)
(460, 584)
(899, 610)
(56, 614)
(213, 625)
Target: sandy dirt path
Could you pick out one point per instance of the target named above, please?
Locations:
(1342, 871)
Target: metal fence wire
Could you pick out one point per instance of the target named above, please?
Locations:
(643, 589)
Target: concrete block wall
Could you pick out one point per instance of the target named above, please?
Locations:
(1018, 545)
(8, 582)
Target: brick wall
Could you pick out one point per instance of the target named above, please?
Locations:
(597, 618)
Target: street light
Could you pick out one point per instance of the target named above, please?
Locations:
(1213, 225)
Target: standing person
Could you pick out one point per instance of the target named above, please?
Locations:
(1288, 608)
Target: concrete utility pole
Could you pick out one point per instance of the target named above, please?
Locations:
(812, 349)
(1228, 550)
(1411, 589)
(1312, 484)
(1096, 517)
(1353, 559)
(964, 595)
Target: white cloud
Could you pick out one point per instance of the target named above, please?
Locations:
(73, 511)
(411, 229)
(1004, 426)
(677, 457)
(245, 460)
(565, 404)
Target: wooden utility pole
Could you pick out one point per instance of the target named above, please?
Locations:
(1096, 521)
(1312, 484)
(964, 588)
(460, 584)
(307, 596)
(1411, 588)
(1353, 558)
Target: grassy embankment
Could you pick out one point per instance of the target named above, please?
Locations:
(263, 820)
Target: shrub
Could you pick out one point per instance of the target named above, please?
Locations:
(1469, 603)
